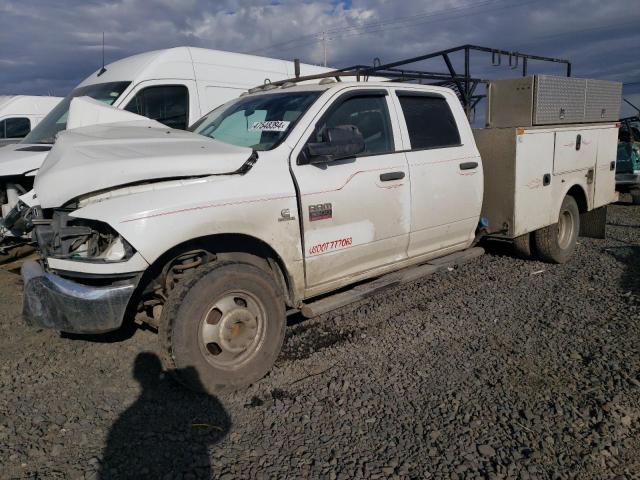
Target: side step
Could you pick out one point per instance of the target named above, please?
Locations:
(406, 275)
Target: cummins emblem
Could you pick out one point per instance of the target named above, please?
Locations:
(321, 211)
(285, 215)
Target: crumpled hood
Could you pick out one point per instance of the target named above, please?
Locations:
(99, 157)
(19, 158)
(84, 111)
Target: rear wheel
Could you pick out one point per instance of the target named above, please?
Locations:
(222, 329)
(556, 243)
(523, 245)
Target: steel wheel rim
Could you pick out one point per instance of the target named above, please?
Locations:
(565, 229)
(231, 331)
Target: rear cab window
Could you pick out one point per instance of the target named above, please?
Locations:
(429, 120)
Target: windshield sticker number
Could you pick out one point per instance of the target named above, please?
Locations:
(270, 126)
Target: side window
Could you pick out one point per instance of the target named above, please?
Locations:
(168, 104)
(429, 121)
(369, 114)
(15, 127)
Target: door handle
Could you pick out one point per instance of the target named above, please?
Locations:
(612, 166)
(387, 177)
(468, 165)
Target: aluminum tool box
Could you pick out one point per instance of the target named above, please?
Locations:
(549, 100)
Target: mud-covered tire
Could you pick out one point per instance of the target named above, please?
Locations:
(523, 245)
(556, 243)
(208, 317)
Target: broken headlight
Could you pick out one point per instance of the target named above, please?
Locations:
(71, 238)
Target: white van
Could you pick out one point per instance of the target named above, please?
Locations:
(20, 113)
(175, 86)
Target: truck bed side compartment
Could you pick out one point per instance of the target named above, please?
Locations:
(518, 167)
(575, 150)
(497, 150)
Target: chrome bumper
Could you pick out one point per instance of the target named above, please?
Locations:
(51, 301)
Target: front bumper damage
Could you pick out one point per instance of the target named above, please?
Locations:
(51, 301)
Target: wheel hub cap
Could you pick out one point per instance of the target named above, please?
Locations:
(237, 330)
(231, 329)
(565, 229)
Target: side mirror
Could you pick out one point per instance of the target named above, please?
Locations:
(343, 141)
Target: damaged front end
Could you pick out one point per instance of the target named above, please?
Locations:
(72, 301)
(61, 236)
(18, 221)
(15, 240)
(52, 301)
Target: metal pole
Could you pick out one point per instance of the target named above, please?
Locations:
(568, 69)
(467, 76)
(524, 66)
(638, 109)
(454, 76)
(324, 47)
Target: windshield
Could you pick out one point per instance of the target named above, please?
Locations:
(260, 122)
(56, 120)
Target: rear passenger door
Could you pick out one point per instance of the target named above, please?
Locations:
(445, 170)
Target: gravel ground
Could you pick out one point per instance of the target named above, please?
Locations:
(502, 368)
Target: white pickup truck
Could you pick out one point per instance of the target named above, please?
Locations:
(282, 197)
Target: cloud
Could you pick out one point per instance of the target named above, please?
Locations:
(46, 47)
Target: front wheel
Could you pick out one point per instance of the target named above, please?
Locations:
(556, 243)
(222, 328)
(635, 197)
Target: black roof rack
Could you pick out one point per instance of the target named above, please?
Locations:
(461, 82)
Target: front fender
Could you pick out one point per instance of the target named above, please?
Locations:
(157, 220)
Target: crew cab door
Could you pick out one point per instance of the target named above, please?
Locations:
(445, 169)
(355, 212)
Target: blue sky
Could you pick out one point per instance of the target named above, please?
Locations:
(50, 46)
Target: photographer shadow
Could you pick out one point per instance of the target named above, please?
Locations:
(167, 432)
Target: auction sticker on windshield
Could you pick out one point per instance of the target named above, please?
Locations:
(270, 126)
